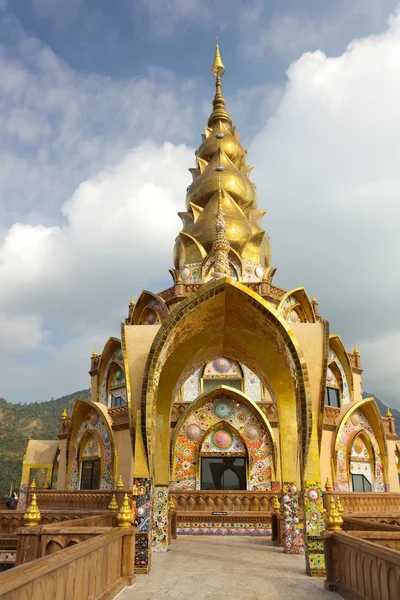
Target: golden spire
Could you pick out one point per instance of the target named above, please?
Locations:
(64, 414)
(32, 516)
(219, 109)
(355, 351)
(221, 246)
(95, 353)
(388, 414)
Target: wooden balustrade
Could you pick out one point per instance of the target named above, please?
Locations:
(98, 568)
(11, 520)
(366, 502)
(361, 569)
(35, 542)
(209, 501)
(78, 499)
(357, 524)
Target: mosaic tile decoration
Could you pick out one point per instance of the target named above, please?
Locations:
(222, 440)
(97, 426)
(223, 529)
(159, 531)
(143, 504)
(191, 387)
(361, 462)
(357, 422)
(248, 428)
(22, 496)
(222, 367)
(252, 384)
(314, 524)
(333, 357)
(116, 358)
(293, 535)
(142, 553)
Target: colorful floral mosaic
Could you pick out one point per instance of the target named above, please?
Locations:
(96, 426)
(224, 529)
(333, 358)
(357, 422)
(222, 415)
(222, 367)
(361, 462)
(159, 531)
(293, 535)
(142, 523)
(314, 524)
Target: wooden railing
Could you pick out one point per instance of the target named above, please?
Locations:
(11, 520)
(98, 568)
(35, 542)
(359, 569)
(78, 499)
(365, 524)
(220, 501)
(366, 502)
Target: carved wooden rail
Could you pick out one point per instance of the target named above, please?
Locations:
(78, 499)
(220, 501)
(11, 520)
(366, 502)
(357, 524)
(35, 542)
(98, 568)
(358, 568)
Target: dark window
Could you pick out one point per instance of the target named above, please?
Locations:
(90, 476)
(213, 384)
(223, 473)
(360, 483)
(332, 397)
(116, 401)
(399, 477)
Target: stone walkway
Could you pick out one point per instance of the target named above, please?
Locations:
(222, 567)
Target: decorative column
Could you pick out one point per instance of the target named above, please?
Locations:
(159, 530)
(314, 528)
(142, 502)
(293, 530)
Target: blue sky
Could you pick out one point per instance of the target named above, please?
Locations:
(101, 106)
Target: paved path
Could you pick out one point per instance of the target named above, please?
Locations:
(222, 567)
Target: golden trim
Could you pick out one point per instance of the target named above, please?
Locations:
(104, 360)
(303, 300)
(132, 423)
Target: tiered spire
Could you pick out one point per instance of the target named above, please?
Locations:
(222, 234)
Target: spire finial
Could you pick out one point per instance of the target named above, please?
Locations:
(219, 112)
(218, 68)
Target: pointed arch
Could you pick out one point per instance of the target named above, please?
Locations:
(92, 417)
(341, 441)
(111, 346)
(298, 301)
(147, 302)
(226, 318)
(339, 349)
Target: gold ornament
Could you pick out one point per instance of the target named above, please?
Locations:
(171, 504)
(64, 414)
(120, 483)
(33, 485)
(276, 505)
(95, 353)
(113, 506)
(389, 414)
(333, 519)
(135, 491)
(221, 246)
(328, 484)
(32, 516)
(339, 506)
(125, 516)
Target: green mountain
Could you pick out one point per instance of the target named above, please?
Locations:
(383, 408)
(20, 422)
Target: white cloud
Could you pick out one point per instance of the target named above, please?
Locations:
(330, 180)
(20, 333)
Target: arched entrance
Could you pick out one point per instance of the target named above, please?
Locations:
(225, 318)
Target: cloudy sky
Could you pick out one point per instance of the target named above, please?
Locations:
(101, 106)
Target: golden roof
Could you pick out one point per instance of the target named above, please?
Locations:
(221, 185)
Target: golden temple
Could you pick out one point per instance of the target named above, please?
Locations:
(224, 391)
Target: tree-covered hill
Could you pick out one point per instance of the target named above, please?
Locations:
(20, 422)
(383, 408)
